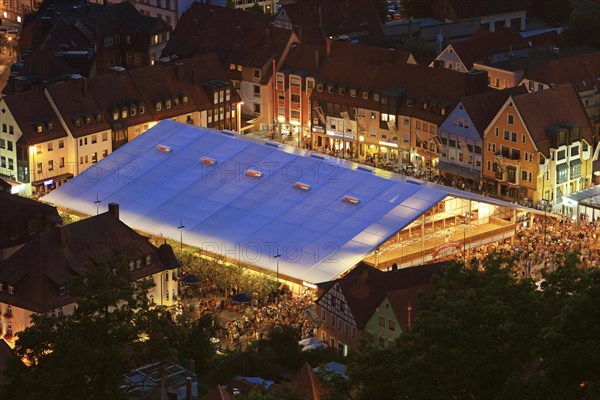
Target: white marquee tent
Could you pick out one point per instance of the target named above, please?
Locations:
(252, 200)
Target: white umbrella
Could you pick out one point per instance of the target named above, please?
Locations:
(314, 346)
(309, 341)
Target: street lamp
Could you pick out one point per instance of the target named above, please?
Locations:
(180, 227)
(97, 203)
(466, 218)
(277, 258)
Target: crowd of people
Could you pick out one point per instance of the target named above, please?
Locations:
(543, 245)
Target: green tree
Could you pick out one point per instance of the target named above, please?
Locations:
(82, 355)
(472, 337)
(283, 391)
(553, 12)
(583, 29)
(197, 345)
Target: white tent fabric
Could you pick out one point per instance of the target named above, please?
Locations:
(251, 219)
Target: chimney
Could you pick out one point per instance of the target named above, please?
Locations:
(552, 86)
(113, 208)
(84, 86)
(188, 388)
(392, 57)
(320, 17)
(180, 72)
(328, 47)
(61, 235)
(194, 77)
(267, 36)
(317, 58)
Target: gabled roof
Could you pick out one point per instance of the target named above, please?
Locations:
(400, 300)
(374, 69)
(30, 108)
(484, 44)
(124, 18)
(304, 58)
(483, 107)
(15, 208)
(583, 71)
(205, 28)
(75, 102)
(308, 383)
(316, 20)
(226, 205)
(41, 266)
(545, 108)
(363, 293)
(466, 9)
(218, 393)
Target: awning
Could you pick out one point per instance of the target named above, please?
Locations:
(458, 170)
(49, 181)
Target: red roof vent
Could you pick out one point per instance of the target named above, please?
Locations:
(350, 199)
(253, 173)
(301, 186)
(163, 149)
(208, 161)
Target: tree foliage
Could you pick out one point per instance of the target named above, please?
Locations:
(483, 334)
(583, 29)
(84, 355)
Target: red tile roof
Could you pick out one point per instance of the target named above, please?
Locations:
(483, 107)
(316, 20)
(205, 28)
(41, 266)
(304, 58)
(309, 385)
(15, 208)
(363, 293)
(545, 108)
(374, 69)
(484, 44)
(30, 108)
(581, 70)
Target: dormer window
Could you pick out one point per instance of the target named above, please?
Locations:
(132, 111)
(175, 101)
(158, 106)
(9, 312)
(50, 125)
(62, 291)
(425, 105)
(331, 89)
(88, 119)
(11, 289)
(141, 109)
(319, 87)
(148, 259)
(39, 128)
(115, 115)
(1, 286)
(352, 92)
(77, 122)
(138, 263)
(342, 91)
(124, 113)
(232, 67)
(375, 96)
(98, 117)
(365, 95)
(131, 265)
(409, 102)
(168, 104)
(185, 100)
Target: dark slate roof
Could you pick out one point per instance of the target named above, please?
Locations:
(15, 208)
(316, 20)
(41, 266)
(126, 19)
(484, 44)
(545, 108)
(364, 292)
(466, 9)
(483, 107)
